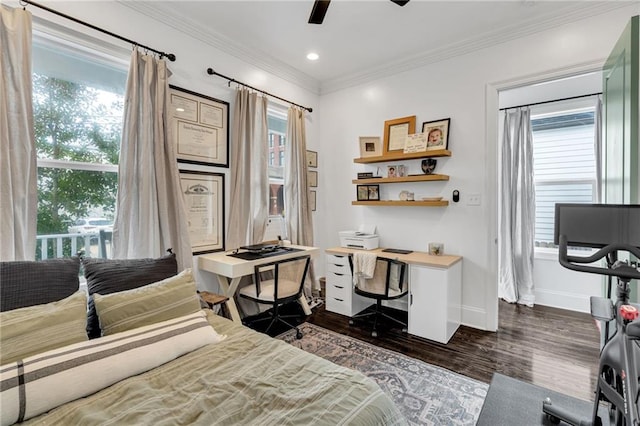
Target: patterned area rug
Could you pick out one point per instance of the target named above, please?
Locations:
(424, 393)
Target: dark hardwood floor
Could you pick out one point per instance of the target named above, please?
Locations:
(548, 347)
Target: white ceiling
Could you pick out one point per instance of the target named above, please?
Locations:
(360, 40)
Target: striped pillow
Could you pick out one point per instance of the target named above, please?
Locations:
(170, 298)
(36, 329)
(37, 384)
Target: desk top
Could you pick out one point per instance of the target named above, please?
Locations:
(419, 258)
(232, 267)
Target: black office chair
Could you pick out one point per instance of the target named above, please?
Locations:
(276, 284)
(389, 282)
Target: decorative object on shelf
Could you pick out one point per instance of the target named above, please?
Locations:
(365, 175)
(368, 192)
(312, 159)
(396, 131)
(406, 196)
(201, 126)
(396, 171)
(416, 142)
(312, 200)
(436, 249)
(437, 134)
(431, 198)
(429, 165)
(370, 146)
(312, 178)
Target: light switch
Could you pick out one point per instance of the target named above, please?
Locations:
(473, 200)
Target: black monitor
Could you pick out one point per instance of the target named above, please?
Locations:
(597, 225)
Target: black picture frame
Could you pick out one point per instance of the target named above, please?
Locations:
(201, 127)
(434, 126)
(205, 217)
(368, 192)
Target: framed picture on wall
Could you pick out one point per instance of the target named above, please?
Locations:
(203, 194)
(201, 126)
(312, 200)
(312, 159)
(312, 178)
(437, 133)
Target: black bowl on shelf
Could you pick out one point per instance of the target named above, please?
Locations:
(429, 165)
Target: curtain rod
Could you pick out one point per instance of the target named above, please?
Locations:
(210, 71)
(554, 100)
(169, 56)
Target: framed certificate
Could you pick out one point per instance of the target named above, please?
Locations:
(203, 194)
(201, 128)
(396, 132)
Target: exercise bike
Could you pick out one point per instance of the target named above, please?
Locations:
(612, 229)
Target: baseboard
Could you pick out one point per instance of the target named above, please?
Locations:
(562, 300)
(474, 317)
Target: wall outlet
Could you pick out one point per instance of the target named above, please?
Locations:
(473, 200)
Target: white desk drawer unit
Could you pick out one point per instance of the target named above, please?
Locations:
(339, 288)
(435, 291)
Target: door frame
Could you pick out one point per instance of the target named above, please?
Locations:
(491, 162)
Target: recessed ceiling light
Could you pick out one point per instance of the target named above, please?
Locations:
(313, 56)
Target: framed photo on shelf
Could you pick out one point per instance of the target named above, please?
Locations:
(312, 178)
(396, 132)
(370, 146)
(203, 194)
(201, 126)
(437, 133)
(368, 192)
(312, 200)
(312, 159)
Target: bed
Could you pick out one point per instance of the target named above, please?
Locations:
(243, 377)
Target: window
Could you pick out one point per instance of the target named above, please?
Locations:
(78, 100)
(277, 123)
(564, 164)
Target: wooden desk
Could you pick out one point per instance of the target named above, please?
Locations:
(229, 270)
(435, 290)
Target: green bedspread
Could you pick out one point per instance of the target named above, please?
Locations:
(247, 379)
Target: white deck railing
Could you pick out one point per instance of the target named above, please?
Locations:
(78, 242)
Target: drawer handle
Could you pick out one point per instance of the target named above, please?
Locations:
(339, 266)
(338, 286)
(338, 274)
(339, 300)
(336, 255)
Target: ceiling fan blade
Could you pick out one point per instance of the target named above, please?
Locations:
(400, 2)
(319, 10)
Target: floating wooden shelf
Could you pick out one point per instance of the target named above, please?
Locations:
(418, 178)
(402, 156)
(441, 203)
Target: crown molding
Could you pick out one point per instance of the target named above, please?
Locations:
(161, 13)
(561, 16)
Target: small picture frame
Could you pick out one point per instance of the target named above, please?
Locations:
(437, 134)
(370, 146)
(368, 192)
(312, 200)
(312, 159)
(396, 171)
(312, 178)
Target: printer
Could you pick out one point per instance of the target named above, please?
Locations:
(364, 238)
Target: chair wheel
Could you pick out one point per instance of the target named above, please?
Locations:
(351, 322)
(405, 330)
(298, 335)
(374, 334)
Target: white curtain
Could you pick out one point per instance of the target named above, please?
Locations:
(597, 148)
(249, 208)
(18, 173)
(297, 210)
(517, 209)
(150, 212)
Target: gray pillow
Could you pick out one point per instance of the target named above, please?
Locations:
(106, 276)
(29, 283)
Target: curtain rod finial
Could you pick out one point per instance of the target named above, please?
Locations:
(171, 57)
(210, 71)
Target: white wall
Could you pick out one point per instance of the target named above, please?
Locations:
(460, 88)
(189, 70)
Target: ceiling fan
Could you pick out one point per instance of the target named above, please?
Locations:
(320, 9)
